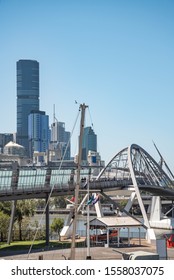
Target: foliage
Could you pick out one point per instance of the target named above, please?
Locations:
(24, 208)
(57, 225)
(40, 203)
(28, 230)
(4, 225)
(56, 202)
(123, 203)
(5, 207)
(59, 202)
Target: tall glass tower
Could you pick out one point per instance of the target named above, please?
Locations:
(27, 97)
(89, 142)
(38, 132)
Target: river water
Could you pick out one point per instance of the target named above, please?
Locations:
(81, 227)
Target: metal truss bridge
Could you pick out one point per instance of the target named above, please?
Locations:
(130, 169)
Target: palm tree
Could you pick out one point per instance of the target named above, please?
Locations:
(24, 208)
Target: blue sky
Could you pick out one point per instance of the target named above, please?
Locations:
(115, 56)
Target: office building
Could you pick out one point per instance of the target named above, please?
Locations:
(38, 132)
(27, 97)
(60, 142)
(89, 142)
(4, 139)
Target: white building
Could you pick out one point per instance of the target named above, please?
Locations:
(13, 148)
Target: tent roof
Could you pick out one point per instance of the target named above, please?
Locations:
(115, 222)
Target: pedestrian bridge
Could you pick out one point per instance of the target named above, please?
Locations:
(131, 169)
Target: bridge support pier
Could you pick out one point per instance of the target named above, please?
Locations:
(47, 220)
(150, 236)
(130, 202)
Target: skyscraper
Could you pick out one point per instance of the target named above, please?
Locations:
(27, 97)
(38, 132)
(60, 140)
(89, 142)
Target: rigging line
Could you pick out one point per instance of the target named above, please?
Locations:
(68, 143)
(52, 188)
(90, 117)
(92, 124)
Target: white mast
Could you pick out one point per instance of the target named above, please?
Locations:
(82, 108)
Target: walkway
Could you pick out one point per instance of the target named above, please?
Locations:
(97, 253)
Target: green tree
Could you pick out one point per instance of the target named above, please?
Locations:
(57, 226)
(40, 204)
(24, 208)
(4, 225)
(59, 202)
(5, 207)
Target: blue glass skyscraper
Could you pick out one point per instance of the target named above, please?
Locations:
(38, 132)
(89, 142)
(27, 97)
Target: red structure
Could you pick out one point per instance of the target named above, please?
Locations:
(170, 241)
(103, 237)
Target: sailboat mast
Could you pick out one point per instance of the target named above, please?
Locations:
(82, 108)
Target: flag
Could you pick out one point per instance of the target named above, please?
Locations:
(96, 199)
(90, 200)
(72, 199)
(93, 199)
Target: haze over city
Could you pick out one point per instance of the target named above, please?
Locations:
(115, 56)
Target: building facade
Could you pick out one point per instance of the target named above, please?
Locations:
(27, 97)
(14, 149)
(60, 142)
(4, 139)
(89, 142)
(38, 132)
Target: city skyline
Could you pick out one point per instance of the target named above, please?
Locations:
(115, 57)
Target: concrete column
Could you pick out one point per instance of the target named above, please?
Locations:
(155, 214)
(107, 230)
(139, 236)
(47, 221)
(130, 202)
(98, 208)
(128, 236)
(118, 238)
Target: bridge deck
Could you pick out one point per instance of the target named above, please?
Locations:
(38, 183)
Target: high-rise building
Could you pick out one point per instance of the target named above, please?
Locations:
(60, 141)
(38, 132)
(58, 131)
(4, 139)
(27, 97)
(89, 142)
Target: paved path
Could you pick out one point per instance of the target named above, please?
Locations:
(96, 253)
